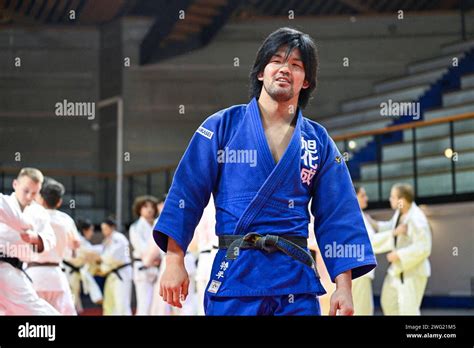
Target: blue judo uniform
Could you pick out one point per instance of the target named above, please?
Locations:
(229, 157)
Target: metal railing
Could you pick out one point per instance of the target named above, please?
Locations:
(98, 189)
(92, 194)
(449, 153)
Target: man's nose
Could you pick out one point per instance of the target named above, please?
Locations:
(285, 68)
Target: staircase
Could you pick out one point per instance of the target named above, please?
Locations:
(195, 24)
(444, 86)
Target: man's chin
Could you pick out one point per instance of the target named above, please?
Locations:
(281, 97)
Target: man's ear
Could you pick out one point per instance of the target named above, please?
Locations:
(15, 184)
(305, 84)
(59, 203)
(260, 76)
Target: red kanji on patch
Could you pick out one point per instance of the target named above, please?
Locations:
(307, 175)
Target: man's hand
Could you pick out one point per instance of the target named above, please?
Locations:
(76, 244)
(392, 257)
(33, 238)
(400, 230)
(341, 299)
(174, 283)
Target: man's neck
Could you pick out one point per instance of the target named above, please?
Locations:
(21, 206)
(405, 208)
(277, 112)
(150, 221)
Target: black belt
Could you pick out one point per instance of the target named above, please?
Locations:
(290, 245)
(73, 268)
(15, 262)
(143, 268)
(115, 270)
(208, 250)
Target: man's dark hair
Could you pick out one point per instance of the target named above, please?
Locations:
(292, 39)
(357, 188)
(83, 224)
(110, 221)
(140, 201)
(52, 191)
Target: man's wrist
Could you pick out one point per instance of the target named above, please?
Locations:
(344, 280)
(174, 257)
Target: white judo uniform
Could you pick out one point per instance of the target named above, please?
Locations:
(207, 243)
(406, 279)
(160, 307)
(116, 262)
(77, 269)
(362, 293)
(49, 281)
(17, 295)
(145, 277)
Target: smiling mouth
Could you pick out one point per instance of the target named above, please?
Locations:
(282, 79)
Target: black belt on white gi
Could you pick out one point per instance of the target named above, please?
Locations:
(290, 245)
(206, 251)
(15, 262)
(115, 270)
(143, 267)
(73, 269)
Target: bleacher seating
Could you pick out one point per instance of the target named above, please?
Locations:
(429, 82)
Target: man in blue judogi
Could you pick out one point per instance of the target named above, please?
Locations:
(263, 163)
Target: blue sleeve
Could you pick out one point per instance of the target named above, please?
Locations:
(338, 224)
(192, 185)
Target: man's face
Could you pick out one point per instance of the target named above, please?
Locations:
(26, 190)
(88, 233)
(395, 200)
(283, 78)
(106, 229)
(147, 211)
(362, 198)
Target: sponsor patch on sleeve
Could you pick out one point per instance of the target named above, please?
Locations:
(205, 132)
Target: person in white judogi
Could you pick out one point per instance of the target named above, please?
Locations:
(144, 277)
(44, 269)
(362, 290)
(152, 255)
(407, 276)
(78, 266)
(116, 266)
(24, 230)
(207, 245)
(160, 307)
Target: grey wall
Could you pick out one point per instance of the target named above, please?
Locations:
(56, 64)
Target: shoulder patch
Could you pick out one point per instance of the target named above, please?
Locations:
(205, 132)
